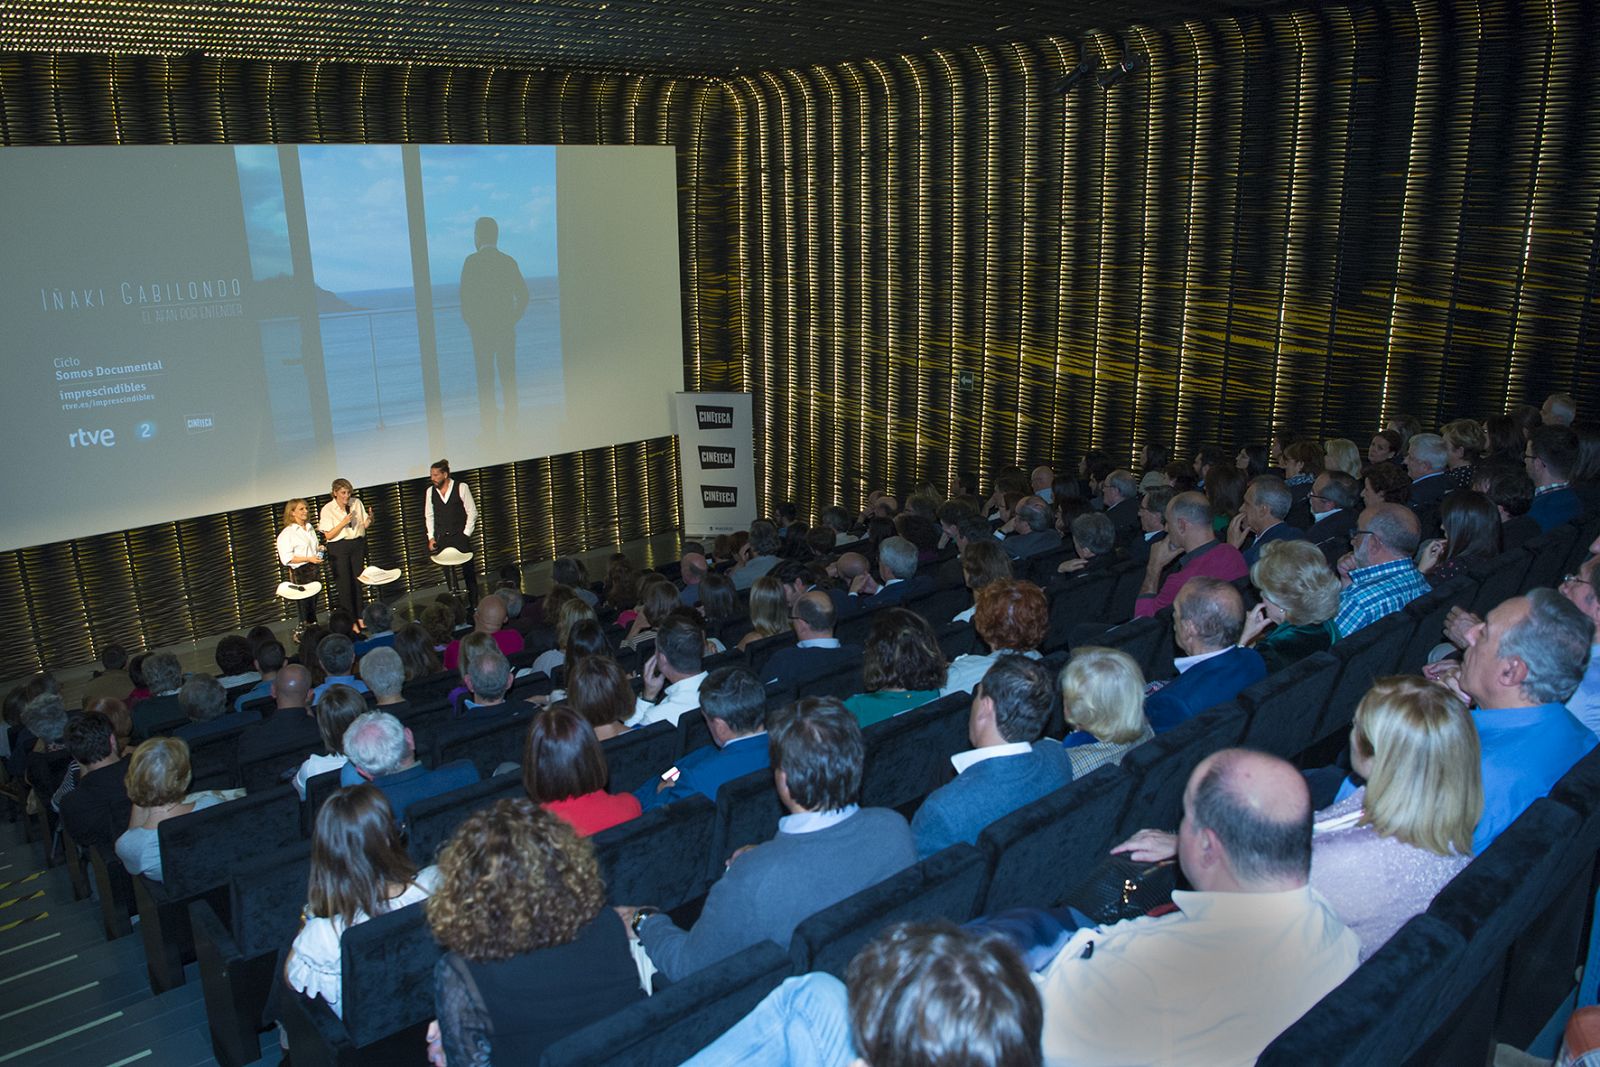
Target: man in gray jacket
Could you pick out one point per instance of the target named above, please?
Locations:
(827, 848)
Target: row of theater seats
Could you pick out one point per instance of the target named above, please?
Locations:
(236, 873)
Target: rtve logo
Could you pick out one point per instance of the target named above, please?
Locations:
(81, 438)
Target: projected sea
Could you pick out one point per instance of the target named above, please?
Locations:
(372, 359)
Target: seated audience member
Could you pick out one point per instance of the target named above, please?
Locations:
(1463, 443)
(47, 763)
(269, 660)
(339, 707)
(1224, 491)
(518, 618)
(1094, 543)
(531, 952)
(734, 704)
(692, 568)
(377, 624)
(1207, 619)
(1510, 489)
(718, 604)
(1380, 855)
(1505, 439)
(1152, 522)
(1261, 518)
(291, 725)
(1012, 618)
(121, 720)
(571, 572)
(1559, 410)
(1378, 575)
(415, 646)
(1251, 460)
(1522, 663)
(1470, 526)
(1552, 453)
(1246, 952)
(658, 598)
(982, 562)
(1387, 447)
(902, 667)
(1102, 699)
(1341, 454)
(759, 555)
(826, 849)
(384, 753)
(672, 674)
(385, 675)
(337, 655)
(163, 675)
(897, 569)
(1120, 492)
(235, 662)
(1425, 460)
(97, 809)
(1011, 763)
(564, 770)
(769, 611)
(112, 680)
(1584, 703)
(1299, 598)
(816, 651)
(1032, 531)
(158, 789)
(487, 673)
(1332, 507)
(598, 691)
(1385, 483)
(489, 618)
(571, 612)
(1302, 462)
(359, 869)
(1192, 543)
(305, 652)
(928, 994)
(205, 702)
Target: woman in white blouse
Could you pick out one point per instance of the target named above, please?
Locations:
(298, 549)
(343, 523)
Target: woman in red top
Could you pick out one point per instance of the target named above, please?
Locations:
(564, 770)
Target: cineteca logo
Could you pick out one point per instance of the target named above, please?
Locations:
(713, 418)
(719, 496)
(716, 457)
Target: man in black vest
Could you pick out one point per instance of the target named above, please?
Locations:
(450, 517)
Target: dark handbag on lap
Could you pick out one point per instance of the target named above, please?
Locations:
(1121, 888)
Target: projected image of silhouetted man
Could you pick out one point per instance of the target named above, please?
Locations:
(493, 298)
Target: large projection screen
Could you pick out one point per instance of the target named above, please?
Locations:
(194, 329)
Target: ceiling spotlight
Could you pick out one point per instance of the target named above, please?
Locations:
(1082, 72)
(1132, 63)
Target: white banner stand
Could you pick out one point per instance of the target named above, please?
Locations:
(716, 462)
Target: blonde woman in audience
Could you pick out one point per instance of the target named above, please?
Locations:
(158, 785)
(769, 611)
(982, 562)
(1299, 599)
(572, 611)
(1464, 441)
(1102, 697)
(1341, 454)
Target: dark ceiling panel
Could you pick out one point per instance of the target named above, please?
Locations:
(686, 37)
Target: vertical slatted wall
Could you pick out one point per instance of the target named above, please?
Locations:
(169, 583)
(1314, 217)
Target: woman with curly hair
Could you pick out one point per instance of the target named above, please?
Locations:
(1385, 483)
(902, 667)
(532, 953)
(1011, 618)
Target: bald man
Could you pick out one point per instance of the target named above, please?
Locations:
(1207, 620)
(1043, 481)
(490, 618)
(1378, 574)
(291, 726)
(816, 651)
(693, 568)
(1249, 950)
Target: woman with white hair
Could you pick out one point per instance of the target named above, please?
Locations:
(1299, 599)
(1102, 697)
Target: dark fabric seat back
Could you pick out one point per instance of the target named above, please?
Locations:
(267, 895)
(908, 756)
(658, 857)
(214, 760)
(1379, 1013)
(1427, 614)
(853, 629)
(942, 605)
(693, 733)
(1148, 641)
(487, 745)
(388, 974)
(1370, 653)
(1129, 577)
(1283, 708)
(275, 768)
(843, 681)
(637, 756)
(319, 787)
(200, 850)
(1043, 851)
(1077, 601)
(748, 811)
(430, 822)
(1161, 766)
(1500, 578)
(947, 885)
(759, 651)
(1548, 554)
(679, 1021)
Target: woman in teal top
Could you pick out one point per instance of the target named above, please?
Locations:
(1299, 598)
(902, 667)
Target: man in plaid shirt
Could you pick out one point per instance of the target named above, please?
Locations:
(1378, 574)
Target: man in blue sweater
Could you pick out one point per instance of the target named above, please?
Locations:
(827, 848)
(1207, 619)
(735, 707)
(1008, 767)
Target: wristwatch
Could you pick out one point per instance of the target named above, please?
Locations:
(640, 916)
